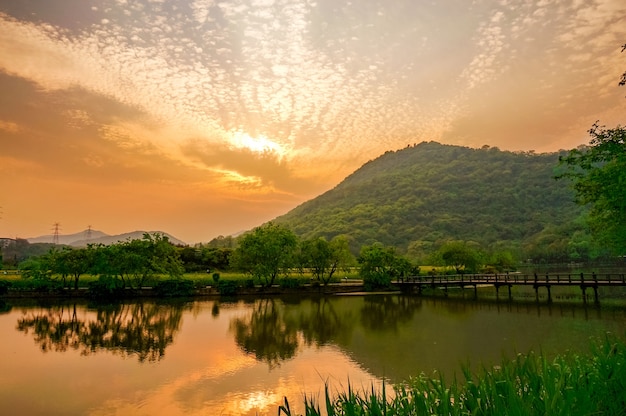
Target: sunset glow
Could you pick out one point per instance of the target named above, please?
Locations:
(203, 118)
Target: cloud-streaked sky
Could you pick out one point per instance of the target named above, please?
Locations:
(207, 117)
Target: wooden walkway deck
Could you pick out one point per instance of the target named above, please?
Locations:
(584, 281)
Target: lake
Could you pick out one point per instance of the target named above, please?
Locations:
(209, 357)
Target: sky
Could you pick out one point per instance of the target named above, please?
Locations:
(203, 118)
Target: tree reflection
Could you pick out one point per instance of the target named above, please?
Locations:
(323, 324)
(385, 312)
(266, 333)
(141, 329)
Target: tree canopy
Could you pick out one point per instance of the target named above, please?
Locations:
(598, 174)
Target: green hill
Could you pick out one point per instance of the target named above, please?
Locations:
(429, 193)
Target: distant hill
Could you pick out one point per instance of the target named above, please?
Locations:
(98, 237)
(431, 192)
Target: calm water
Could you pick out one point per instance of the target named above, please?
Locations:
(241, 358)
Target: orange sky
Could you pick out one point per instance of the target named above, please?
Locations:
(204, 118)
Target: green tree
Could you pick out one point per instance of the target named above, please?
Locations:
(325, 257)
(598, 174)
(135, 261)
(266, 252)
(460, 255)
(69, 262)
(380, 265)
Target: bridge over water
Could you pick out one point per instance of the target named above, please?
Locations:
(583, 280)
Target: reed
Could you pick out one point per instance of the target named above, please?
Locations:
(529, 384)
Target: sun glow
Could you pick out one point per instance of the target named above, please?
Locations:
(260, 144)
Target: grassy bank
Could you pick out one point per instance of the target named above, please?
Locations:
(531, 384)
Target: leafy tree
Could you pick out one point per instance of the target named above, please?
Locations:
(380, 265)
(72, 262)
(460, 255)
(325, 257)
(598, 173)
(135, 261)
(266, 252)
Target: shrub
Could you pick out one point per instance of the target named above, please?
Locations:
(174, 287)
(4, 287)
(289, 283)
(227, 287)
(216, 277)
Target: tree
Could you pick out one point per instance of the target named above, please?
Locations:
(598, 173)
(325, 257)
(135, 261)
(460, 255)
(266, 252)
(380, 264)
(72, 262)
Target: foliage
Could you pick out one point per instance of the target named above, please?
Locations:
(530, 385)
(106, 287)
(266, 252)
(324, 258)
(15, 252)
(461, 255)
(133, 262)
(380, 265)
(175, 287)
(598, 173)
(430, 193)
(4, 286)
(228, 287)
(204, 258)
(289, 283)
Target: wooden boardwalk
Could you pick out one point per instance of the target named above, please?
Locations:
(584, 281)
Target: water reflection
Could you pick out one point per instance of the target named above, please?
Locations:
(274, 330)
(242, 357)
(386, 313)
(140, 329)
(266, 333)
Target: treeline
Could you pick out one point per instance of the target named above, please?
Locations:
(267, 254)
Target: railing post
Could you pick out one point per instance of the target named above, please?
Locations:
(582, 277)
(594, 277)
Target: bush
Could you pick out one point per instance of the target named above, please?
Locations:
(289, 283)
(227, 287)
(4, 287)
(376, 281)
(37, 285)
(216, 277)
(174, 287)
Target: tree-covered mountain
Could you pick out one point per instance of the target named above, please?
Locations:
(421, 196)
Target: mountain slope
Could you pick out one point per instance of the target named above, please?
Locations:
(433, 192)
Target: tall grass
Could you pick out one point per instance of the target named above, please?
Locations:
(529, 384)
